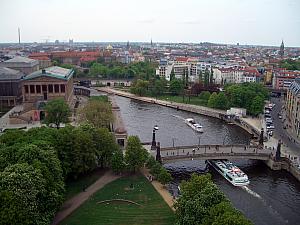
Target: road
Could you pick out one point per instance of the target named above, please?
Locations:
(279, 132)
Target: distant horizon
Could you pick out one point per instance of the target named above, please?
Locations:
(248, 22)
(154, 42)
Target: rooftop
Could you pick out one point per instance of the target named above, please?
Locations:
(54, 72)
(10, 74)
(20, 59)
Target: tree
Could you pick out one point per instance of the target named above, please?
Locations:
(176, 87)
(257, 105)
(140, 87)
(200, 78)
(155, 169)
(211, 77)
(98, 113)
(135, 154)
(21, 188)
(201, 202)
(221, 101)
(206, 78)
(212, 100)
(57, 112)
(159, 87)
(117, 162)
(164, 176)
(205, 95)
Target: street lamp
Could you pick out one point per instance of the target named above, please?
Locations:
(153, 145)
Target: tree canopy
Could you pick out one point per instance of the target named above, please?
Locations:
(135, 154)
(57, 112)
(201, 202)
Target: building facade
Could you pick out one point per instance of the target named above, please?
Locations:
(10, 86)
(40, 87)
(23, 64)
(293, 106)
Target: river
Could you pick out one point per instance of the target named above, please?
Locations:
(272, 197)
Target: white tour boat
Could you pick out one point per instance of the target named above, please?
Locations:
(230, 172)
(191, 122)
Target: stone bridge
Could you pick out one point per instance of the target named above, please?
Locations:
(203, 152)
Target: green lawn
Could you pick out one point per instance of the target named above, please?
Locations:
(153, 209)
(76, 186)
(174, 98)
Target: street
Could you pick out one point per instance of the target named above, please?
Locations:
(279, 132)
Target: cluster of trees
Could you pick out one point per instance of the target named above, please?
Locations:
(290, 64)
(97, 111)
(202, 203)
(156, 87)
(34, 166)
(135, 158)
(138, 70)
(158, 171)
(250, 96)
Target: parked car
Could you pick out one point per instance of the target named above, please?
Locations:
(270, 133)
(280, 116)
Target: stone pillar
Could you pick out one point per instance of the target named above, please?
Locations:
(158, 156)
(153, 144)
(278, 151)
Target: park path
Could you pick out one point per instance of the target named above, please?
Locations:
(73, 203)
(165, 194)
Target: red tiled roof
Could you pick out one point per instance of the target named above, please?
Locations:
(88, 59)
(39, 57)
(182, 59)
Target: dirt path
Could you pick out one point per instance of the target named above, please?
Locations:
(73, 203)
(165, 194)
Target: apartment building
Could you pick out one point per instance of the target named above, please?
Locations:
(293, 106)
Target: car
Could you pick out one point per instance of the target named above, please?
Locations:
(267, 116)
(267, 111)
(270, 127)
(269, 120)
(270, 133)
(280, 116)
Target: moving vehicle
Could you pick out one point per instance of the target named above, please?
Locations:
(230, 172)
(191, 122)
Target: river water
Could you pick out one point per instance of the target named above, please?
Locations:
(272, 197)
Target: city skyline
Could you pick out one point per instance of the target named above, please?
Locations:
(236, 21)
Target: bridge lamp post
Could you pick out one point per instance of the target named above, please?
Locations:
(153, 145)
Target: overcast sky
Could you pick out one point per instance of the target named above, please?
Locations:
(262, 22)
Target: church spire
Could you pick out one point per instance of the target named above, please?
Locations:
(281, 51)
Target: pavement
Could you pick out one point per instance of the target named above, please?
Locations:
(73, 203)
(4, 120)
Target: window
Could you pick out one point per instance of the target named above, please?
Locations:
(62, 88)
(56, 88)
(50, 88)
(44, 88)
(32, 89)
(26, 89)
(38, 88)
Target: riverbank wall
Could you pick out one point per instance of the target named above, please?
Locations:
(284, 164)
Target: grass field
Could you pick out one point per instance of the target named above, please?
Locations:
(76, 186)
(151, 211)
(174, 98)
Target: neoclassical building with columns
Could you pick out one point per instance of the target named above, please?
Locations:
(40, 87)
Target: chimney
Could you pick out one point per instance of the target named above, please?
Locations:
(43, 71)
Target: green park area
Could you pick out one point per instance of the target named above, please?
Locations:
(146, 206)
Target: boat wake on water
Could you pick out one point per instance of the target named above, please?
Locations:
(253, 193)
(179, 117)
